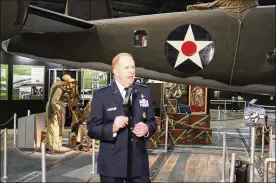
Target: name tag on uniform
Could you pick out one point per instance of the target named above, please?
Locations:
(144, 103)
(111, 109)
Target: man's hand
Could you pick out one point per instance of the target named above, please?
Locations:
(119, 122)
(140, 129)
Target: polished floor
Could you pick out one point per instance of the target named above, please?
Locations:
(185, 163)
(177, 165)
(185, 166)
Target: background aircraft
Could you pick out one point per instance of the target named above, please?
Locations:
(213, 48)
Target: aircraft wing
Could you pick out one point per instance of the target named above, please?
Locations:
(40, 20)
(93, 44)
(69, 31)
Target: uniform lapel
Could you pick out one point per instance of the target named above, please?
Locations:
(116, 94)
(135, 102)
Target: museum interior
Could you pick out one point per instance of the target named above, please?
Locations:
(188, 116)
(197, 115)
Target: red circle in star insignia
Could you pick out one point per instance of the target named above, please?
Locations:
(188, 48)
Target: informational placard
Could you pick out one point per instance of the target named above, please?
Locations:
(92, 80)
(254, 116)
(4, 82)
(28, 82)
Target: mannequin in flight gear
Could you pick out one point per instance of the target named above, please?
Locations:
(55, 112)
(79, 127)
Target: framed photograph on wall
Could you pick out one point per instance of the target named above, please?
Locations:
(28, 82)
(198, 99)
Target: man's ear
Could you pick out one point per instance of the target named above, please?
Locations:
(115, 72)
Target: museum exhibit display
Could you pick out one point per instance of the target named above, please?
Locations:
(91, 80)
(198, 99)
(186, 124)
(179, 92)
(203, 53)
(28, 82)
(56, 74)
(4, 82)
(78, 134)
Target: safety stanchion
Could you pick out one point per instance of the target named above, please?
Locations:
(252, 156)
(224, 158)
(232, 170)
(43, 162)
(166, 135)
(218, 112)
(14, 129)
(263, 138)
(267, 160)
(219, 117)
(5, 177)
(270, 145)
(93, 156)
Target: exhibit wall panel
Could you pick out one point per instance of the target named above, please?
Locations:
(91, 80)
(4, 77)
(28, 82)
(20, 107)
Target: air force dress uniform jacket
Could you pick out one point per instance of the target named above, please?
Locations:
(107, 103)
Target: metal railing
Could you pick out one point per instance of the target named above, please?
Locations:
(14, 117)
(43, 162)
(5, 177)
(267, 160)
(230, 102)
(263, 171)
(232, 169)
(227, 102)
(4, 132)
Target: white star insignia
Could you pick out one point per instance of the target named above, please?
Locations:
(189, 48)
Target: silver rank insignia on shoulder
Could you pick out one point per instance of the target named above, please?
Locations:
(144, 115)
(142, 96)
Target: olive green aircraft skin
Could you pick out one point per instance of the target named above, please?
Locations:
(93, 44)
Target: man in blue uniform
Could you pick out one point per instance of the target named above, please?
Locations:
(109, 124)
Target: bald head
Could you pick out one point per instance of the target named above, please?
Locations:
(123, 67)
(116, 59)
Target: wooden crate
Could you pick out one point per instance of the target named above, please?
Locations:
(177, 121)
(170, 122)
(179, 136)
(171, 106)
(152, 142)
(161, 137)
(180, 120)
(190, 133)
(159, 123)
(200, 121)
